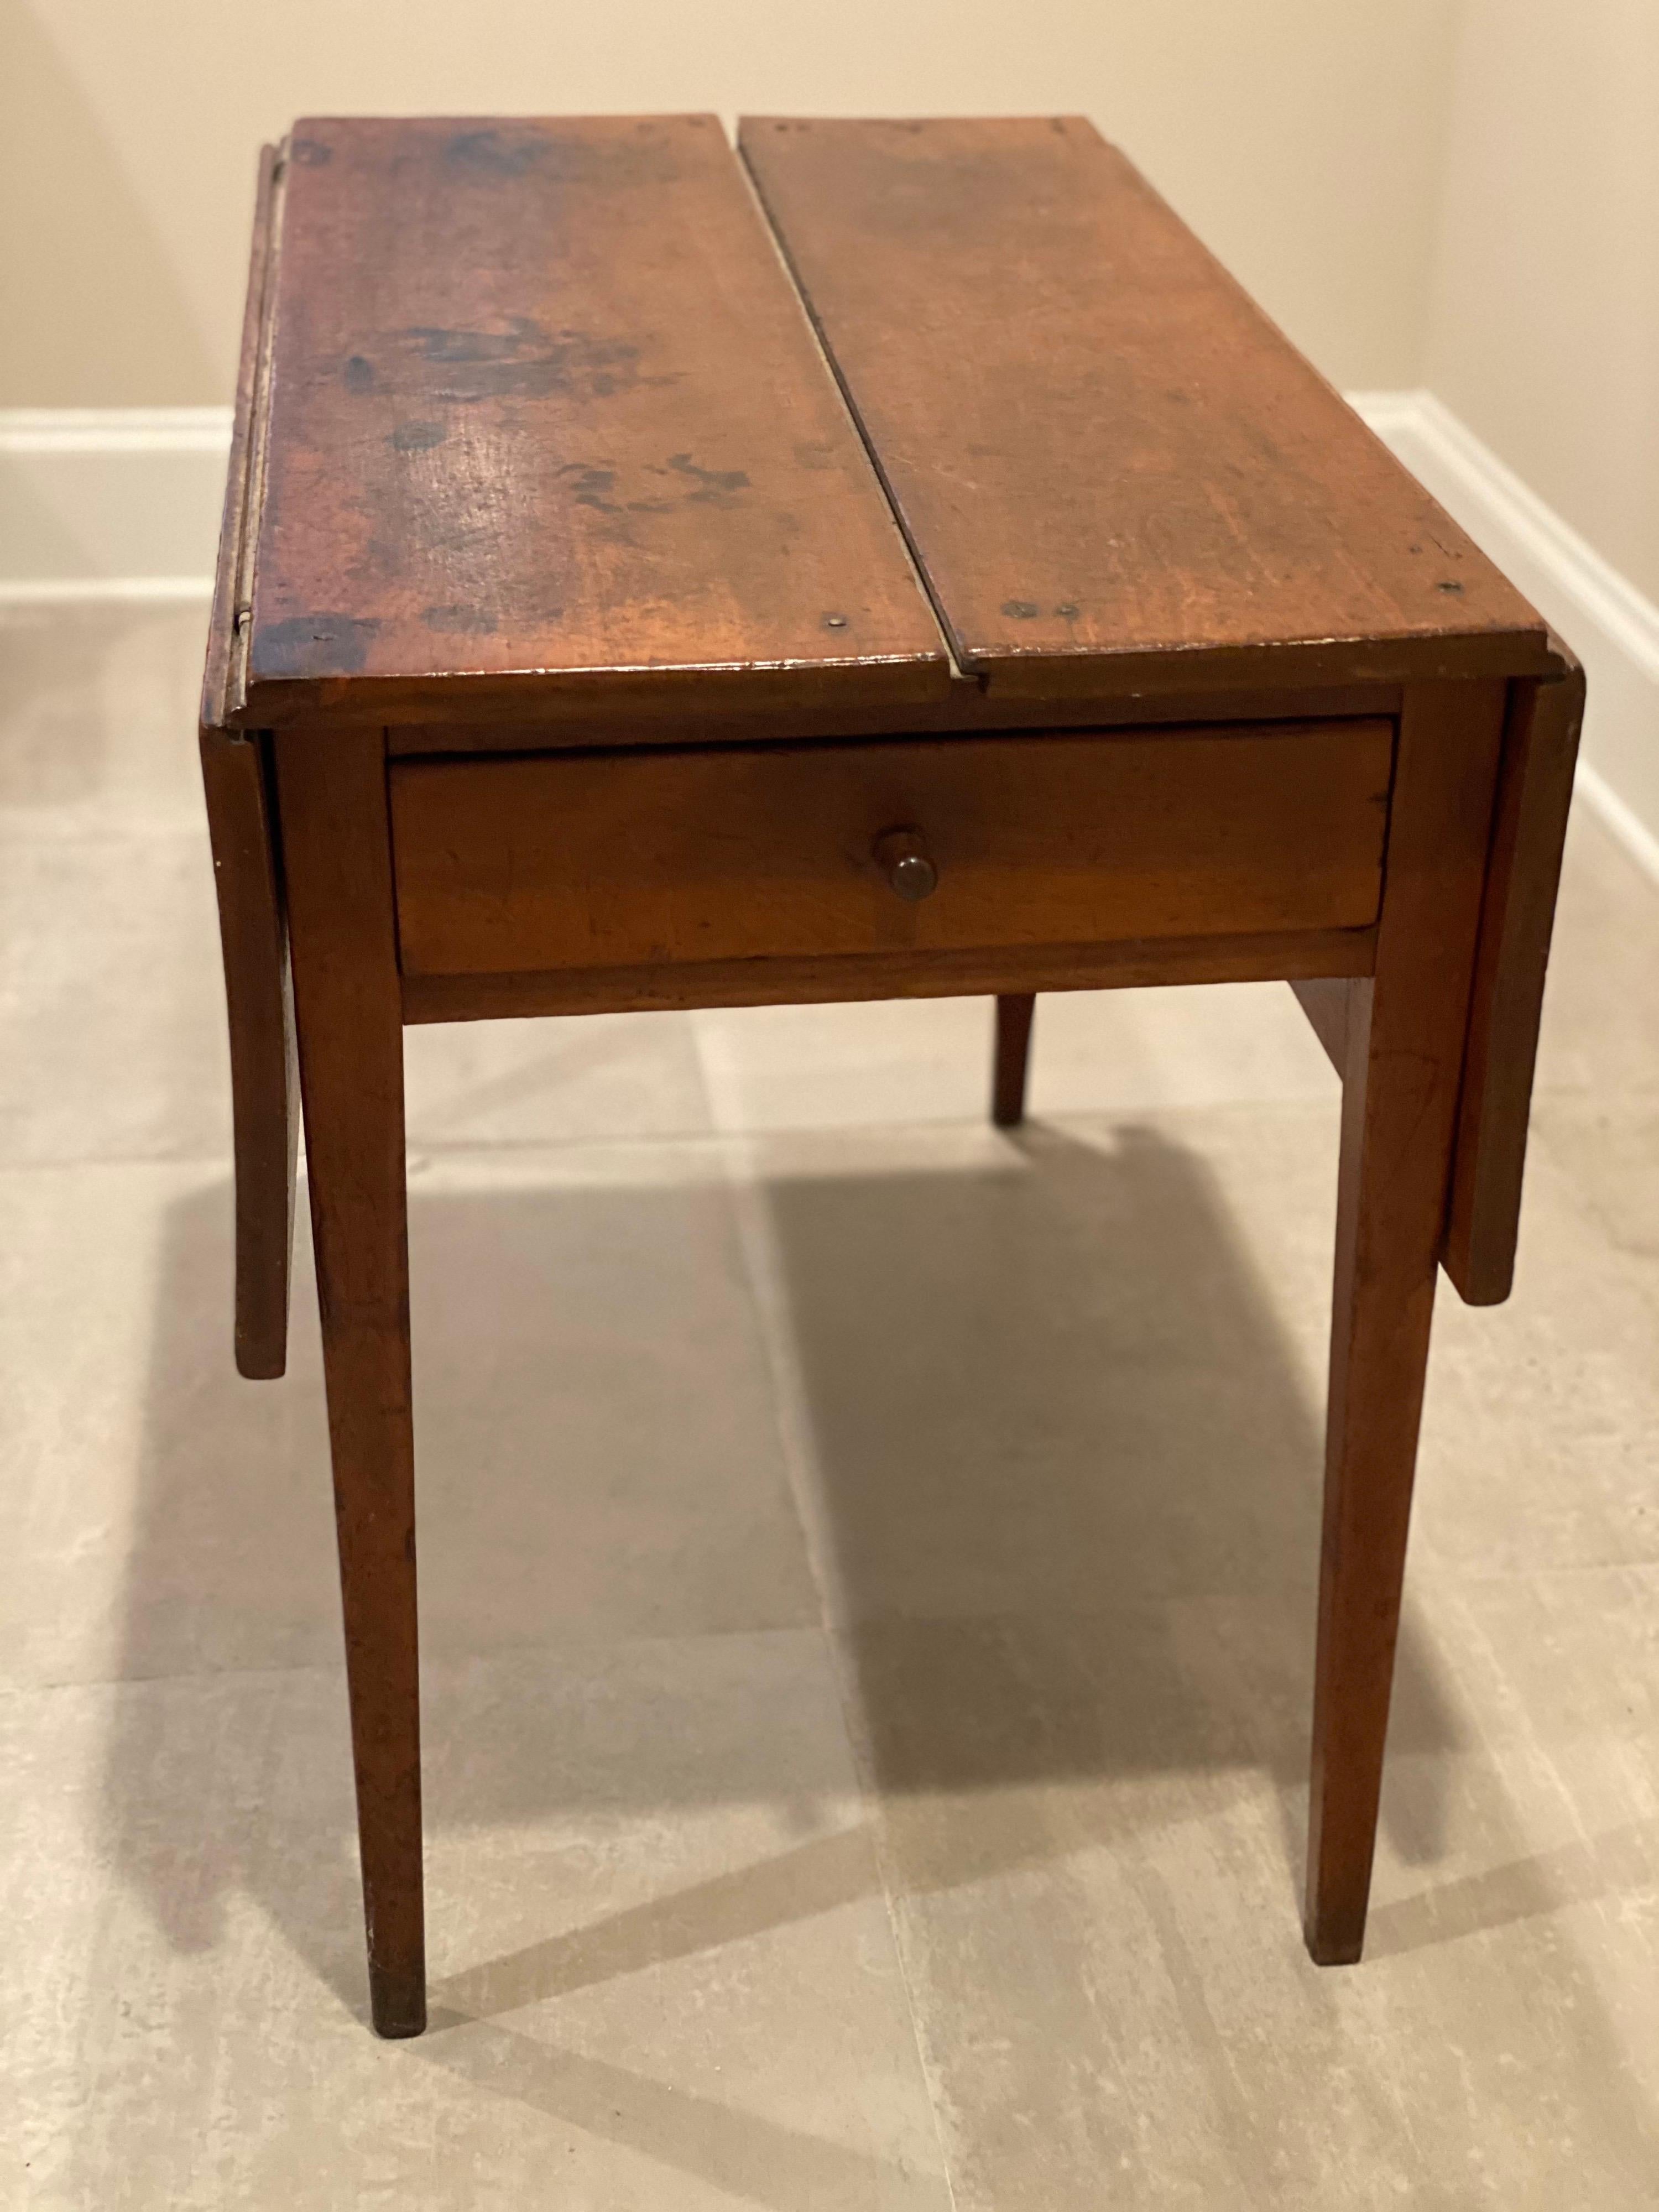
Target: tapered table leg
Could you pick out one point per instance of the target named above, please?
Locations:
(1014, 1046)
(1403, 1048)
(337, 858)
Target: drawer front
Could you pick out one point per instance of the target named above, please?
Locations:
(607, 860)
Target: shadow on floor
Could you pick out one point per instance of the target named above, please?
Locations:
(1068, 1467)
(1072, 1477)
(1069, 1476)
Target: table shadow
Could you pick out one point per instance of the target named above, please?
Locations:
(1051, 1414)
(1064, 1468)
(1071, 1469)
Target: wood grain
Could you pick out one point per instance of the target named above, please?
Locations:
(547, 423)
(1535, 794)
(973, 974)
(1111, 467)
(226, 617)
(264, 1106)
(332, 790)
(1540, 750)
(1324, 1001)
(1015, 1010)
(604, 862)
(1404, 1036)
(462, 726)
(247, 883)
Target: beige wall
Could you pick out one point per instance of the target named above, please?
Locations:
(1301, 137)
(1544, 329)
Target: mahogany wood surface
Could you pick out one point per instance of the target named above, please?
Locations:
(601, 860)
(1534, 793)
(227, 621)
(1110, 466)
(1404, 1041)
(546, 418)
(1540, 750)
(814, 979)
(1014, 1013)
(247, 877)
(1324, 1001)
(567, 656)
(339, 867)
(968, 710)
(265, 1105)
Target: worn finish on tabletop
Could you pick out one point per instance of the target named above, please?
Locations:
(1111, 466)
(546, 419)
(228, 621)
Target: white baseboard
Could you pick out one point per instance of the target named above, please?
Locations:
(1609, 624)
(123, 503)
(102, 503)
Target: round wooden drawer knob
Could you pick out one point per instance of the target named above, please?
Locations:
(904, 861)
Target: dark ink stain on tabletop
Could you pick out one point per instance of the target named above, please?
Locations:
(591, 484)
(716, 487)
(1022, 610)
(494, 152)
(469, 347)
(310, 154)
(312, 644)
(359, 373)
(416, 437)
(521, 360)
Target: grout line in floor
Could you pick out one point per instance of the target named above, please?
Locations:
(433, 1663)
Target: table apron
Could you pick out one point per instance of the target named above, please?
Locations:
(1272, 958)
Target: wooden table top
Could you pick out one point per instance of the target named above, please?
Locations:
(1102, 451)
(537, 427)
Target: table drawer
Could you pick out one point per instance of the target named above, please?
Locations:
(606, 861)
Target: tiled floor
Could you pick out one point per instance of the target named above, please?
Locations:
(866, 1571)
